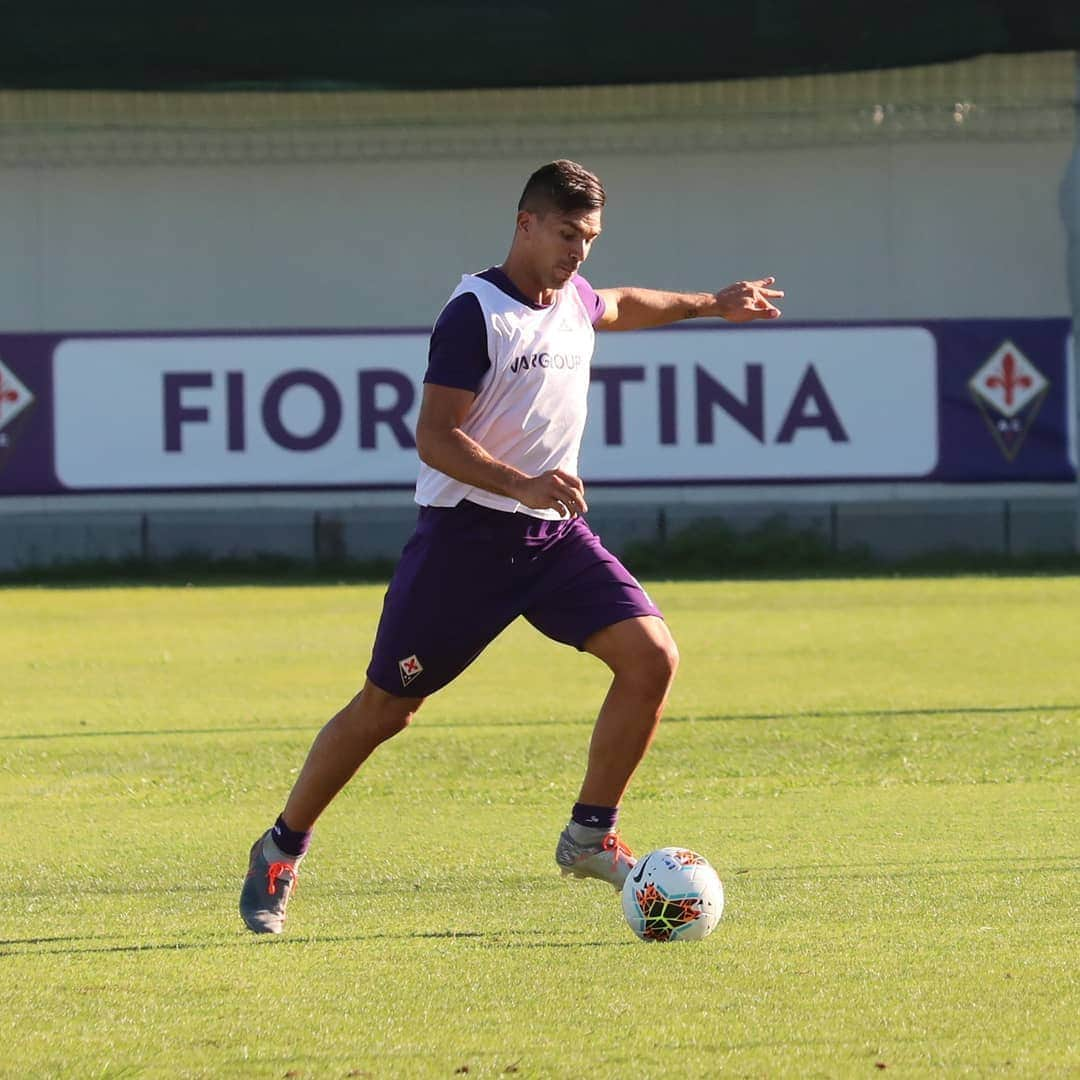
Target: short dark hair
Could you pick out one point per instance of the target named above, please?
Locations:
(564, 186)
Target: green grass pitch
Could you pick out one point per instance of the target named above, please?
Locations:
(882, 771)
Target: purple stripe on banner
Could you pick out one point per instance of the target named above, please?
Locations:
(948, 401)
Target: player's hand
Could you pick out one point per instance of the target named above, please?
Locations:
(747, 300)
(553, 490)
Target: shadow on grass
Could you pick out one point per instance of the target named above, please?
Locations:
(585, 719)
(80, 944)
(89, 944)
(925, 868)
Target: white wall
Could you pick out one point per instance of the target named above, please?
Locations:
(904, 230)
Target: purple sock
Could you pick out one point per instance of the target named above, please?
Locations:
(291, 842)
(595, 817)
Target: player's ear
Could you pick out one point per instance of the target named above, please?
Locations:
(524, 220)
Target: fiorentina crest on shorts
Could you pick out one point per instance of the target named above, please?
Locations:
(1009, 390)
(410, 667)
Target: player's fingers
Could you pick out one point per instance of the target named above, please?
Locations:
(772, 292)
(575, 487)
(555, 501)
(569, 478)
(573, 503)
(560, 497)
(579, 495)
(572, 499)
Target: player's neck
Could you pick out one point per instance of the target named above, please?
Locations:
(526, 282)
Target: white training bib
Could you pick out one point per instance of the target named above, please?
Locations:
(530, 409)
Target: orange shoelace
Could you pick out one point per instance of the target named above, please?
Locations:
(613, 842)
(278, 870)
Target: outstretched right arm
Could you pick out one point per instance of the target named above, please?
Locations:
(443, 445)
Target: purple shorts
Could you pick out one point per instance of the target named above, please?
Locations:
(469, 571)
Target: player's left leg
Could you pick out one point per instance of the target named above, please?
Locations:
(643, 658)
(585, 597)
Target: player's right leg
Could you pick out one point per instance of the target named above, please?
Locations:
(451, 594)
(340, 748)
(343, 745)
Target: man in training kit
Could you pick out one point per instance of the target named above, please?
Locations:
(500, 532)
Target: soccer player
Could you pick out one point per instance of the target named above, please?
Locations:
(500, 531)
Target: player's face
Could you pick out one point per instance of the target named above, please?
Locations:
(561, 243)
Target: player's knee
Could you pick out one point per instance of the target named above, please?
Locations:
(381, 714)
(666, 661)
(653, 667)
(395, 716)
(671, 654)
(402, 720)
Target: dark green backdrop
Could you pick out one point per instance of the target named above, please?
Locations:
(483, 43)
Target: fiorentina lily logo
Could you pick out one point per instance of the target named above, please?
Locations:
(1009, 390)
(14, 399)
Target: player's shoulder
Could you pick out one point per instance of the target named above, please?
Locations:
(593, 302)
(494, 289)
(473, 292)
(462, 312)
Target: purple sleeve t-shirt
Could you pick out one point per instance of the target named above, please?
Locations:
(458, 354)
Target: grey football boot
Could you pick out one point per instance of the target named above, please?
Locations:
(609, 859)
(267, 888)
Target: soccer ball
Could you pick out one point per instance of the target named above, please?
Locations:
(672, 894)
